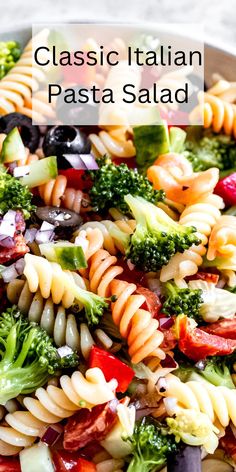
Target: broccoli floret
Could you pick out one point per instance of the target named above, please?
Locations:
(111, 183)
(216, 371)
(93, 305)
(151, 446)
(156, 237)
(14, 195)
(194, 428)
(210, 150)
(182, 300)
(9, 54)
(27, 356)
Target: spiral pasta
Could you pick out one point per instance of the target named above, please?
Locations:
(52, 318)
(109, 231)
(56, 193)
(50, 279)
(112, 143)
(222, 241)
(218, 403)
(174, 174)
(218, 114)
(52, 404)
(224, 90)
(203, 215)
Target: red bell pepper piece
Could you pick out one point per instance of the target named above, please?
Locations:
(226, 188)
(64, 461)
(77, 179)
(111, 367)
(196, 344)
(9, 464)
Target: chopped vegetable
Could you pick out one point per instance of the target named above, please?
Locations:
(68, 255)
(13, 148)
(40, 172)
(151, 446)
(157, 237)
(217, 372)
(111, 367)
(27, 356)
(223, 328)
(150, 142)
(36, 458)
(182, 300)
(226, 188)
(111, 183)
(10, 52)
(14, 195)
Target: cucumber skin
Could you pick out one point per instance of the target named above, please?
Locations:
(41, 172)
(12, 148)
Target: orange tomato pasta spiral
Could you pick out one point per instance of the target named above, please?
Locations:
(135, 324)
(173, 173)
(56, 193)
(222, 241)
(203, 215)
(51, 405)
(224, 90)
(218, 114)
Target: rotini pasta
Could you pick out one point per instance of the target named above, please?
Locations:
(222, 241)
(56, 193)
(224, 90)
(108, 230)
(50, 279)
(218, 114)
(51, 405)
(218, 403)
(203, 215)
(113, 143)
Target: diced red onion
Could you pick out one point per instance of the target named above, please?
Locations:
(169, 362)
(44, 236)
(9, 273)
(161, 385)
(21, 171)
(130, 265)
(170, 405)
(46, 226)
(20, 265)
(82, 161)
(200, 365)
(7, 228)
(143, 412)
(154, 285)
(166, 323)
(10, 215)
(30, 234)
(64, 351)
(6, 241)
(52, 434)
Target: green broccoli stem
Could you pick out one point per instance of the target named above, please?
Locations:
(139, 465)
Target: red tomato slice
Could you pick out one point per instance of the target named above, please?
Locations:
(196, 344)
(152, 304)
(9, 464)
(222, 328)
(64, 461)
(83, 75)
(111, 367)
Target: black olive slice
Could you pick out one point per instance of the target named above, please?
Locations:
(61, 140)
(59, 216)
(30, 134)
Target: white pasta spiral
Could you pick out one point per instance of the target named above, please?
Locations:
(52, 404)
(218, 403)
(51, 280)
(112, 143)
(110, 232)
(203, 215)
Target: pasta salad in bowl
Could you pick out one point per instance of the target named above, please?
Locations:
(118, 287)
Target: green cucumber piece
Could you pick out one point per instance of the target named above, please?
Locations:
(13, 148)
(36, 458)
(150, 142)
(177, 138)
(68, 255)
(40, 172)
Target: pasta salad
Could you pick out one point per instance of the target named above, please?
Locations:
(118, 289)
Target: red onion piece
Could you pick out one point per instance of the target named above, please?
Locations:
(52, 434)
(144, 412)
(169, 362)
(44, 236)
(9, 273)
(6, 241)
(30, 234)
(45, 226)
(82, 161)
(20, 265)
(64, 351)
(130, 265)
(89, 161)
(166, 323)
(21, 171)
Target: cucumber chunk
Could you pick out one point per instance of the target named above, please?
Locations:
(36, 458)
(68, 255)
(40, 172)
(177, 138)
(13, 148)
